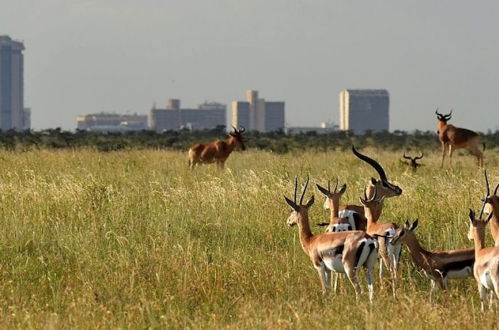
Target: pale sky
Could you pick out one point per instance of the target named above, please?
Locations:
(85, 56)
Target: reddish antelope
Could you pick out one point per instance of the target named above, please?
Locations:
(384, 188)
(342, 252)
(486, 268)
(217, 151)
(413, 161)
(492, 202)
(438, 266)
(452, 137)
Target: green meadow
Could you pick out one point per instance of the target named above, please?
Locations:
(134, 239)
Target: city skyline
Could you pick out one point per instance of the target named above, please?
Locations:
(302, 53)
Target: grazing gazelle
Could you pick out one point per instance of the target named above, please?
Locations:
(332, 203)
(217, 151)
(492, 202)
(413, 161)
(383, 187)
(342, 252)
(439, 266)
(452, 137)
(486, 268)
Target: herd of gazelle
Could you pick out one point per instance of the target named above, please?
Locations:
(354, 238)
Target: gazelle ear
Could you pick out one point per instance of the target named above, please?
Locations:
(322, 190)
(291, 203)
(414, 225)
(407, 224)
(373, 181)
(471, 215)
(310, 202)
(343, 188)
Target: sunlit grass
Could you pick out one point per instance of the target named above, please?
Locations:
(136, 239)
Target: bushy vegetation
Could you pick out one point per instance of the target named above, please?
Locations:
(134, 239)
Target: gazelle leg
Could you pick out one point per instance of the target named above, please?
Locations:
(370, 285)
(352, 276)
(335, 281)
(321, 269)
(483, 295)
(451, 151)
(433, 287)
(478, 154)
(444, 147)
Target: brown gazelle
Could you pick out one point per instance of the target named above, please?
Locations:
(342, 252)
(486, 268)
(383, 187)
(413, 161)
(217, 151)
(384, 230)
(452, 137)
(332, 202)
(492, 202)
(439, 266)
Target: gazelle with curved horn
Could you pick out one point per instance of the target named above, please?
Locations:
(452, 138)
(342, 252)
(390, 253)
(492, 203)
(332, 202)
(384, 188)
(486, 267)
(438, 266)
(413, 161)
(217, 151)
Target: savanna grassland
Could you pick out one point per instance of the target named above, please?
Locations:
(133, 239)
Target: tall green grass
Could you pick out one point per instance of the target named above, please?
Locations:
(134, 239)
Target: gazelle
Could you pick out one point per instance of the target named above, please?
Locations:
(452, 137)
(383, 187)
(342, 252)
(413, 161)
(332, 202)
(492, 202)
(486, 268)
(438, 266)
(217, 151)
(390, 253)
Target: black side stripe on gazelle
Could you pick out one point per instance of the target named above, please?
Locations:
(456, 266)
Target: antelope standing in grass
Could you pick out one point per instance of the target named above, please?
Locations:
(452, 138)
(492, 202)
(384, 188)
(413, 161)
(342, 252)
(217, 151)
(486, 268)
(438, 266)
(390, 254)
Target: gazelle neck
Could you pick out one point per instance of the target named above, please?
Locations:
(304, 230)
(479, 238)
(334, 204)
(372, 213)
(418, 253)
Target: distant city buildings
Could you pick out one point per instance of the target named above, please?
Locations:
(256, 114)
(13, 115)
(208, 115)
(323, 128)
(112, 122)
(364, 110)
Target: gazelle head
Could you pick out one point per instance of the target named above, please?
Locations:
(332, 196)
(299, 211)
(477, 226)
(491, 200)
(373, 204)
(403, 232)
(384, 187)
(237, 135)
(413, 161)
(443, 118)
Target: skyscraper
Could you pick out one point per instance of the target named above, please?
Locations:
(12, 113)
(256, 114)
(364, 109)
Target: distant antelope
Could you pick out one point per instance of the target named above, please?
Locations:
(413, 161)
(452, 137)
(342, 252)
(383, 187)
(439, 266)
(492, 202)
(217, 151)
(486, 268)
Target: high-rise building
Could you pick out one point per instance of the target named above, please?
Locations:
(112, 122)
(11, 84)
(256, 114)
(364, 110)
(208, 115)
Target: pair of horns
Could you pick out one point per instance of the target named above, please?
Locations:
(443, 117)
(372, 162)
(303, 192)
(328, 190)
(413, 158)
(241, 130)
(365, 199)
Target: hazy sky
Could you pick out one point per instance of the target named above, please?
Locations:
(85, 56)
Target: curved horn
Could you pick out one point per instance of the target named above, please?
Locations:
(235, 129)
(495, 191)
(406, 157)
(296, 188)
(329, 185)
(487, 184)
(304, 190)
(449, 115)
(242, 129)
(419, 157)
(372, 162)
(336, 185)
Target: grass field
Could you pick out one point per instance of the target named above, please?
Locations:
(134, 239)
